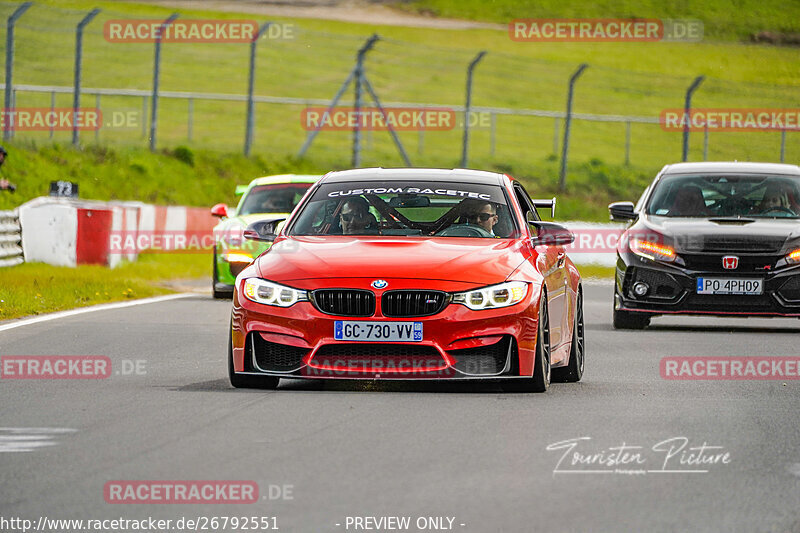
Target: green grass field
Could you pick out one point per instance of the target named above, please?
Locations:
(410, 65)
(723, 20)
(423, 65)
(36, 288)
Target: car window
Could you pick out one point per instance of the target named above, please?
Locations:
(755, 195)
(274, 198)
(412, 209)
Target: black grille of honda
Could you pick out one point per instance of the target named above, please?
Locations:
(482, 360)
(413, 303)
(275, 357)
(734, 243)
(344, 302)
(746, 263)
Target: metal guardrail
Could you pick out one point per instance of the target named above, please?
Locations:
(10, 239)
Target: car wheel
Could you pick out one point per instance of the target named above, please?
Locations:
(574, 370)
(630, 320)
(540, 381)
(246, 381)
(214, 292)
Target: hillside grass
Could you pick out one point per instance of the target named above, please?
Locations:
(723, 19)
(425, 65)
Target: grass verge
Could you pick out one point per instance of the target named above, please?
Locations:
(36, 288)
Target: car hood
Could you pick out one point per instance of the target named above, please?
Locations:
(478, 261)
(702, 234)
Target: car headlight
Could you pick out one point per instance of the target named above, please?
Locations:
(265, 292)
(237, 257)
(502, 295)
(652, 250)
(793, 258)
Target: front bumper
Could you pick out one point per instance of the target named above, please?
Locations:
(458, 343)
(673, 291)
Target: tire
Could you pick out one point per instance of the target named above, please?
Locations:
(630, 320)
(540, 381)
(218, 295)
(573, 372)
(245, 381)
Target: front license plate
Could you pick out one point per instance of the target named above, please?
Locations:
(351, 330)
(730, 286)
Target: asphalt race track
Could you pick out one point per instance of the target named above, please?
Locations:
(360, 449)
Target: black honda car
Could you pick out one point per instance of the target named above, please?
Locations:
(710, 239)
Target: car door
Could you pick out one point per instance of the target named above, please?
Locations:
(552, 264)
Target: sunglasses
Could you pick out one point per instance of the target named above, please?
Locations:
(349, 217)
(483, 217)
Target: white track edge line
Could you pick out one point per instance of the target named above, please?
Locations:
(91, 309)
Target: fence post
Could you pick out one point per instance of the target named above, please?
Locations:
(783, 145)
(562, 179)
(251, 80)
(687, 107)
(156, 71)
(359, 79)
(76, 93)
(12, 20)
(705, 143)
(628, 143)
(467, 107)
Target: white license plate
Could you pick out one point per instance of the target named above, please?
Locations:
(352, 330)
(730, 286)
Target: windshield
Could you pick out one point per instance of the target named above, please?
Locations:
(412, 209)
(275, 198)
(706, 196)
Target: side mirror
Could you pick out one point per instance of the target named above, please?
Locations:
(550, 233)
(220, 210)
(622, 211)
(263, 230)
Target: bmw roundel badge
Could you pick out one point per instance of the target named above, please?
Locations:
(380, 284)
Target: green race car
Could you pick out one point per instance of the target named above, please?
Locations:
(269, 196)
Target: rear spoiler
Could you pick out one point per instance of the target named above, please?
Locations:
(546, 204)
(240, 189)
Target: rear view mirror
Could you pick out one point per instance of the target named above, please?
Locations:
(263, 230)
(622, 211)
(550, 233)
(410, 200)
(219, 210)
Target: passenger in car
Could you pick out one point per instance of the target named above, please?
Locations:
(481, 213)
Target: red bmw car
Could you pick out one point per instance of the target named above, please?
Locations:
(410, 274)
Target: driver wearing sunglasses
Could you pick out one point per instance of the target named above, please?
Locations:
(483, 214)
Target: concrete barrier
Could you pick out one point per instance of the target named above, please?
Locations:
(70, 232)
